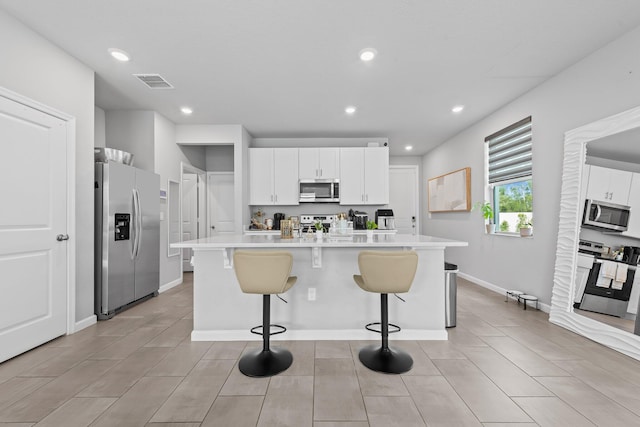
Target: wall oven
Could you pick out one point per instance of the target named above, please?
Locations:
(605, 216)
(319, 190)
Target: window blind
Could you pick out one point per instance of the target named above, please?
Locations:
(510, 152)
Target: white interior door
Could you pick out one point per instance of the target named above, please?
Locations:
(33, 262)
(403, 198)
(189, 215)
(221, 202)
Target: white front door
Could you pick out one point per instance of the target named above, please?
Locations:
(33, 195)
(403, 197)
(189, 215)
(221, 203)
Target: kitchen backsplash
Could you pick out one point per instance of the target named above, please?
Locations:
(317, 208)
(614, 241)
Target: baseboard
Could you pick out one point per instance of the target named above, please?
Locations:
(85, 323)
(497, 289)
(320, 335)
(170, 285)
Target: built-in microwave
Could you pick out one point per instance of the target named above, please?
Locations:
(605, 216)
(319, 190)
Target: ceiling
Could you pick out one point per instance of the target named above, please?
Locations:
(621, 147)
(289, 68)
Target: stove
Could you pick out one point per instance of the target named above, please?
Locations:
(592, 248)
(309, 220)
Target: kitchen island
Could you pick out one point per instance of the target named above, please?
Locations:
(325, 303)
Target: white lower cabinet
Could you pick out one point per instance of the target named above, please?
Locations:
(634, 298)
(585, 263)
(273, 176)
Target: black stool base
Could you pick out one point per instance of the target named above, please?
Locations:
(389, 360)
(261, 363)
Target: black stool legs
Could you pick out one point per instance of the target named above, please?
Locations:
(382, 358)
(268, 361)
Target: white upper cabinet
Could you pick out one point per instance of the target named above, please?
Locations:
(352, 176)
(633, 229)
(273, 176)
(319, 163)
(364, 176)
(609, 185)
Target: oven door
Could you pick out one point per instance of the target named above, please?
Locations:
(606, 216)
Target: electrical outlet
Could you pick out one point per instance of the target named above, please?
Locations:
(312, 294)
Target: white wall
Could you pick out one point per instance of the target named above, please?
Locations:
(219, 158)
(602, 84)
(240, 138)
(34, 67)
(100, 131)
(132, 131)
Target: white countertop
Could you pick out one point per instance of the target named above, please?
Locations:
(270, 241)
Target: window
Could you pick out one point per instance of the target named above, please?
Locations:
(510, 176)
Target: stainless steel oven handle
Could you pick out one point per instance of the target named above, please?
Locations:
(599, 212)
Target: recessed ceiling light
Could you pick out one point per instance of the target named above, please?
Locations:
(457, 108)
(350, 110)
(368, 54)
(408, 147)
(186, 110)
(118, 54)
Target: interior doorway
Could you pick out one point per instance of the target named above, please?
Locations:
(193, 209)
(404, 198)
(221, 203)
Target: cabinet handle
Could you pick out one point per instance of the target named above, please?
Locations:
(320, 171)
(272, 197)
(317, 174)
(276, 198)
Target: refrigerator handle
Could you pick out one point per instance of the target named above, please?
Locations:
(134, 225)
(138, 222)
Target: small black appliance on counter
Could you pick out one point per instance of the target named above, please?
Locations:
(360, 220)
(631, 255)
(277, 217)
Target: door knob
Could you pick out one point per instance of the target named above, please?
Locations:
(213, 227)
(61, 237)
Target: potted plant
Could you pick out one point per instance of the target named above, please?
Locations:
(319, 229)
(487, 213)
(371, 225)
(524, 225)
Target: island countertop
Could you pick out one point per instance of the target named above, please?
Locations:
(325, 303)
(223, 241)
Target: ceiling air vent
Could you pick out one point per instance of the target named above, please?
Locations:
(154, 81)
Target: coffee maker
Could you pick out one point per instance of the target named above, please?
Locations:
(385, 219)
(360, 220)
(631, 255)
(277, 217)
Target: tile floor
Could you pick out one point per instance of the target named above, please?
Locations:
(501, 366)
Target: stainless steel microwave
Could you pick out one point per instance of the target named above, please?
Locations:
(605, 216)
(319, 190)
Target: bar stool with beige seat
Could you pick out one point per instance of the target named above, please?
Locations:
(266, 273)
(386, 272)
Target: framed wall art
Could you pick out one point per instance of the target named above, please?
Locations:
(450, 192)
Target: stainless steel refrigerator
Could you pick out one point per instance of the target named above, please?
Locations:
(127, 236)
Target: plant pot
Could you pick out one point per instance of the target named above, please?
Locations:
(526, 232)
(369, 234)
(319, 234)
(491, 228)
